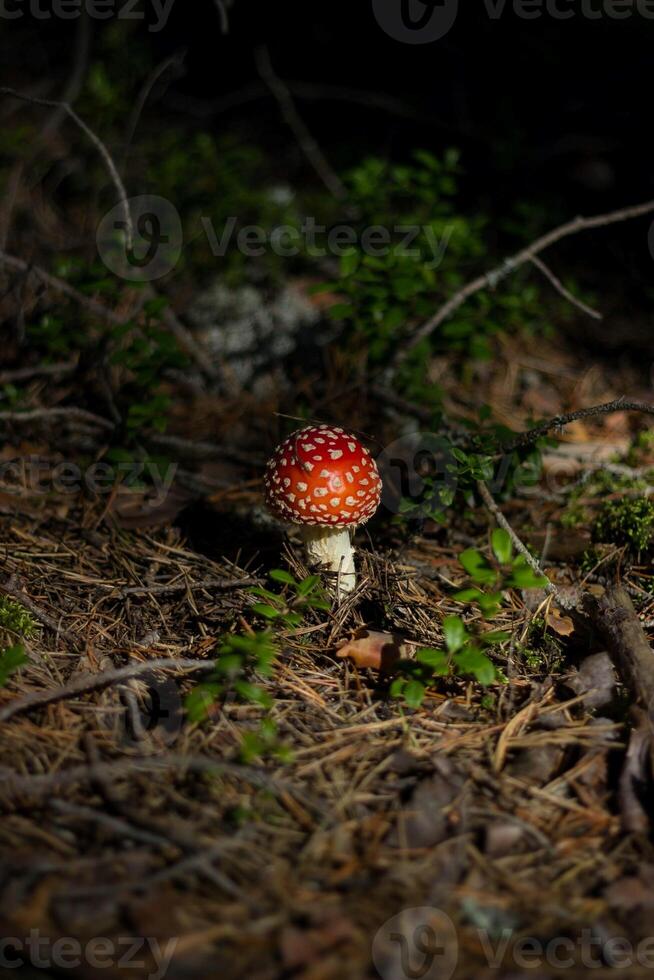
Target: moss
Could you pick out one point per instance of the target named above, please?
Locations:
(15, 619)
(629, 521)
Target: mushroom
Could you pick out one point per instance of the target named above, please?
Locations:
(322, 479)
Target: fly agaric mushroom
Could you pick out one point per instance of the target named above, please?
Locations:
(323, 479)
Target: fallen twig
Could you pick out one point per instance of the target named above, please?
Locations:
(96, 682)
(559, 421)
(54, 415)
(208, 583)
(550, 588)
(616, 620)
(12, 589)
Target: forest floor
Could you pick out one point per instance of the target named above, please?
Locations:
(506, 817)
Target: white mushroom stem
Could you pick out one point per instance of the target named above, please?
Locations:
(331, 547)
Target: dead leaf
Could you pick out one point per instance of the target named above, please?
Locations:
(380, 651)
(562, 625)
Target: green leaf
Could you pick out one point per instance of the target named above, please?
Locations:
(476, 566)
(473, 661)
(281, 575)
(414, 693)
(454, 632)
(468, 595)
(262, 609)
(267, 594)
(10, 660)
(200, 701)
(436, 659)
(502, 545)
(308, 584)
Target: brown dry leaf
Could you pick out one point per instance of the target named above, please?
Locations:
(370, 649)
(562, 625)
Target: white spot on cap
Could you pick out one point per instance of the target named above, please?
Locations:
(349, 477)
(308, 446)
(320, 492)
(302, 487)
(337, 483)
(356, 469)
(335, 453)
(286, 482)
(303, 504)
(324, 473)
(352, 446)
(350, 501)
(364, 482)
(291, 497)
(335, 501)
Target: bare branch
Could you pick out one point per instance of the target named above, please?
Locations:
(54, 414)
(522, 549)
(560, 288)
(490, 279)
(97, 142)
(95, 682)
(309, 147)
(559, 421)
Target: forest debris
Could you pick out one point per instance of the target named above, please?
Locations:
(368, 648)
(595, 679)
(426, 820)
(636, 773)
(615, 618)
(562, 625)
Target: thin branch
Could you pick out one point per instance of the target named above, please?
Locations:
(176, 61)
(54, 414)
(220, 584)
(170, 319)
(522, 549)
(560, 288)
(490, 279)
(97, 142)
(96, 682)
(12, 589)
(307, 143)
(559, 421)
(14, 784)
(222, 13)
(38, 371)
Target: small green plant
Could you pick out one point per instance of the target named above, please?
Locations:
(464, 656)
(243, 658)
(629, 521)
(11, 658)
(15, 619)
(466, 652)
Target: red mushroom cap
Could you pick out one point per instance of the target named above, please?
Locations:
(322, 475)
